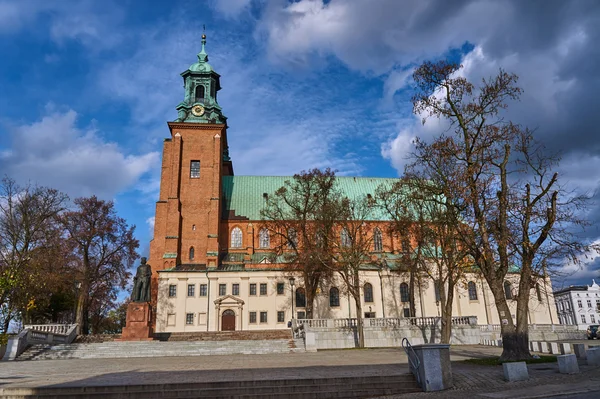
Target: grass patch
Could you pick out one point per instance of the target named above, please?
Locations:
(495, 361)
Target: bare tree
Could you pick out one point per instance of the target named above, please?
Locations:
(351, 248)
(395, 202)
(300, 217)
(513, 210)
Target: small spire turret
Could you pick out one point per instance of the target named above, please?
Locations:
(202, 56)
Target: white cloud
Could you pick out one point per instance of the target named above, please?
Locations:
(55, 152)
(231, 8)
(88, 21)
(399, 149)
(150, 222)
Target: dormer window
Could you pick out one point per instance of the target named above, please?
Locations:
(199, 94)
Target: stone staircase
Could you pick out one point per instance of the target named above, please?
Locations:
(301, 388)
(224, 335)
(125, 349)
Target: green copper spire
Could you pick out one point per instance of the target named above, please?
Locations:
(202, 56)
(201, 85)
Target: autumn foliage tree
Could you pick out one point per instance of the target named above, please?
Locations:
(300, 217)
(29, 237)
(516, 212)
(104, 248)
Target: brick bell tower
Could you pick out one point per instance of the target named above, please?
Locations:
(195, 157)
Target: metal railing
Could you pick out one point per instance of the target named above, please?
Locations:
(413, 360)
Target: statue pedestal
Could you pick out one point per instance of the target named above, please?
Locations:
(138, 325)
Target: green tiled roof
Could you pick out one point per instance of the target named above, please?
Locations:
(244, 194)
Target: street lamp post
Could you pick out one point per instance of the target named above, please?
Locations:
(292, 282)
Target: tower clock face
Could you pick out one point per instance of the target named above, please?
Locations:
(198, 110)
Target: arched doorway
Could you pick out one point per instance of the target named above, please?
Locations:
(228, 320)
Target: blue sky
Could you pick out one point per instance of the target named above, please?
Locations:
(86, 87)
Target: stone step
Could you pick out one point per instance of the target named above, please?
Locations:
(347, 387)
(158, 349)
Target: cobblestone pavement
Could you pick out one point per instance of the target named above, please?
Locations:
(488, 382)
(479, 381)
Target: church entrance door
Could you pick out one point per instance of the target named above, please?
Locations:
(228, 320)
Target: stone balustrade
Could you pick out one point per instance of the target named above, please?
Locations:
(50, 328)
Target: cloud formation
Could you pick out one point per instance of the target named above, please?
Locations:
(56, 153)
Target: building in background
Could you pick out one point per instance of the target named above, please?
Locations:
(578, 305)
(212, 261)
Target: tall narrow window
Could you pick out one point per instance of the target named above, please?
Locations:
(292, 239)
(507, 290)
(300, 298)
(236, 237)
(436, 287)
(404, 293)
(472, 291)
(368, 288)
(334, 297)
(538, 291)
(319, 239)
(345, 238)
(191, 253)
(263, 238)
(194, 169)
(377, 242)
(199, 94)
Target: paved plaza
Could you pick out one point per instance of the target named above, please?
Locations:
(478, 381)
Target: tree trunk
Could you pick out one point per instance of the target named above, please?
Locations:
(6, 323)
(446, 332)
(359, 323)
(80, 319)
(309, 302)
(411, 292)
(514, 344)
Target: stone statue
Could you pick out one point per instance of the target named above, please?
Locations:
(141, 283)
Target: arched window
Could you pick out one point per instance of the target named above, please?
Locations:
(368, 292)
(199, 94)
(472, 291)
(292, 239)
(538, 291)
(263, 238)
(507, 290)
(345, 238)
(334, 297)
(377, 242)
(191, 253)
(300, 298)
(236, 237)
(404, 293)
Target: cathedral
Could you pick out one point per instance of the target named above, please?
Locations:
(210, 255)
